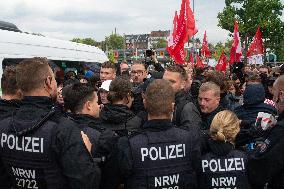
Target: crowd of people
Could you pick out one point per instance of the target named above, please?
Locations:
(140, 126)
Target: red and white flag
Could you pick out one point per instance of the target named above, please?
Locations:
(205, 52)
(183, 29)
(256, 47)
(236, 50)
(222, 63)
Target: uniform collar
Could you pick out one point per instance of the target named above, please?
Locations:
(38, 101)
(158, 124)
(84, 118)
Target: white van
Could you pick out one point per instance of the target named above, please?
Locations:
(15, 46)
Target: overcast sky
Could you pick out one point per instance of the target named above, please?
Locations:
(67, 19)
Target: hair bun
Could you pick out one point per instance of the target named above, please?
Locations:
(220, 136)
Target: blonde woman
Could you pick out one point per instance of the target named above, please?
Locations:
(223, 166)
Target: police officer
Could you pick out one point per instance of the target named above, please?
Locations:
(159, 155)
(82, 100)
(223, 166)
(266, 164)
(39, 148)
(11, 95)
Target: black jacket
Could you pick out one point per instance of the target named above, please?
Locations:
(66, 149)
(125, 168)
(186, 114)
(208, 118)
(253, 104)
(7, 107)
(103, 139)
(232, 166)
(119, 118)
(230, 102)
(266, 164)
(254, 97)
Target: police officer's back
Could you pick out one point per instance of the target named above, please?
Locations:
(159, 155)
(11, 95)
(222, 166)
(41, 149)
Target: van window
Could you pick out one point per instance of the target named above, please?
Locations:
(80, 67)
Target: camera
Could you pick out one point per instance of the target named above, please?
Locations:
(150, 52)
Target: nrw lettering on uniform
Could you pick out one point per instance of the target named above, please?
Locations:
(25, 178)
(30, 174)
(162, 153)
(167, 181)
(27, 144)
(224, 182)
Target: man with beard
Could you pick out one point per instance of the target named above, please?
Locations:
(186, 114)
(209, 103)
(138, 73)
(40, 148)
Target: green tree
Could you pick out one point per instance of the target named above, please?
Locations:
(77, 40)
(86, 41)
(114, 41)
(228, 46)
(161, 43)
(218, 49)
(253, 13)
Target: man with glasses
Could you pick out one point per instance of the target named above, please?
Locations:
(138, 73)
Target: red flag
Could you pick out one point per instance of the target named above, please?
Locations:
(236, 50)
(222, 63)
(191, 27)
(183, 29)
(175, 22)
(205, 48)
(191, 58)
(256, 47)
(199, 63)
